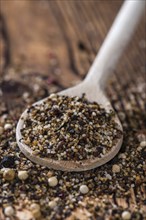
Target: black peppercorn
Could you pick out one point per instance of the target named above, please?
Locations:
(143, 153)
(8, 162)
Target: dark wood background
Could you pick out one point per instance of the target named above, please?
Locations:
(59, 39)
(33, 32)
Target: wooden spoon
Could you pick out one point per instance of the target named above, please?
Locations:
(93, 86)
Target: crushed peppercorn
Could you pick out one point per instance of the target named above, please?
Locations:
(70, 128)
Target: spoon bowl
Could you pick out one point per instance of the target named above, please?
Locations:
(93, 86)
(92, 94)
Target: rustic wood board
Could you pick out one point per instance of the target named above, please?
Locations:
(59, 40)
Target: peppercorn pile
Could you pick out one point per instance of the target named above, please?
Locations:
(70, 128)
(28, 191)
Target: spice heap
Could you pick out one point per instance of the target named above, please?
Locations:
(70, 128)
(29, 191)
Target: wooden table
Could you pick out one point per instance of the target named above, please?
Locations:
(59, 40)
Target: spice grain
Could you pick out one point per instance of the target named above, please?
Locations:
(22, 174)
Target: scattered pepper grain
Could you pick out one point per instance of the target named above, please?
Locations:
(115, 168)
(7, 126)
(84, 189)
(53, 181)
(143, 143)
(22, 174)
(126, 215)
(52, 204)
(36, 210)
(9, 211)
(1, 130)
(9, 174)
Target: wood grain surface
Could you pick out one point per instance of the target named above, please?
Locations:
(59, 39)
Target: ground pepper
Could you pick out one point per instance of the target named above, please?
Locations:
(70, 128)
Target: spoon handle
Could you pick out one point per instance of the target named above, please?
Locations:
(115, 42)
